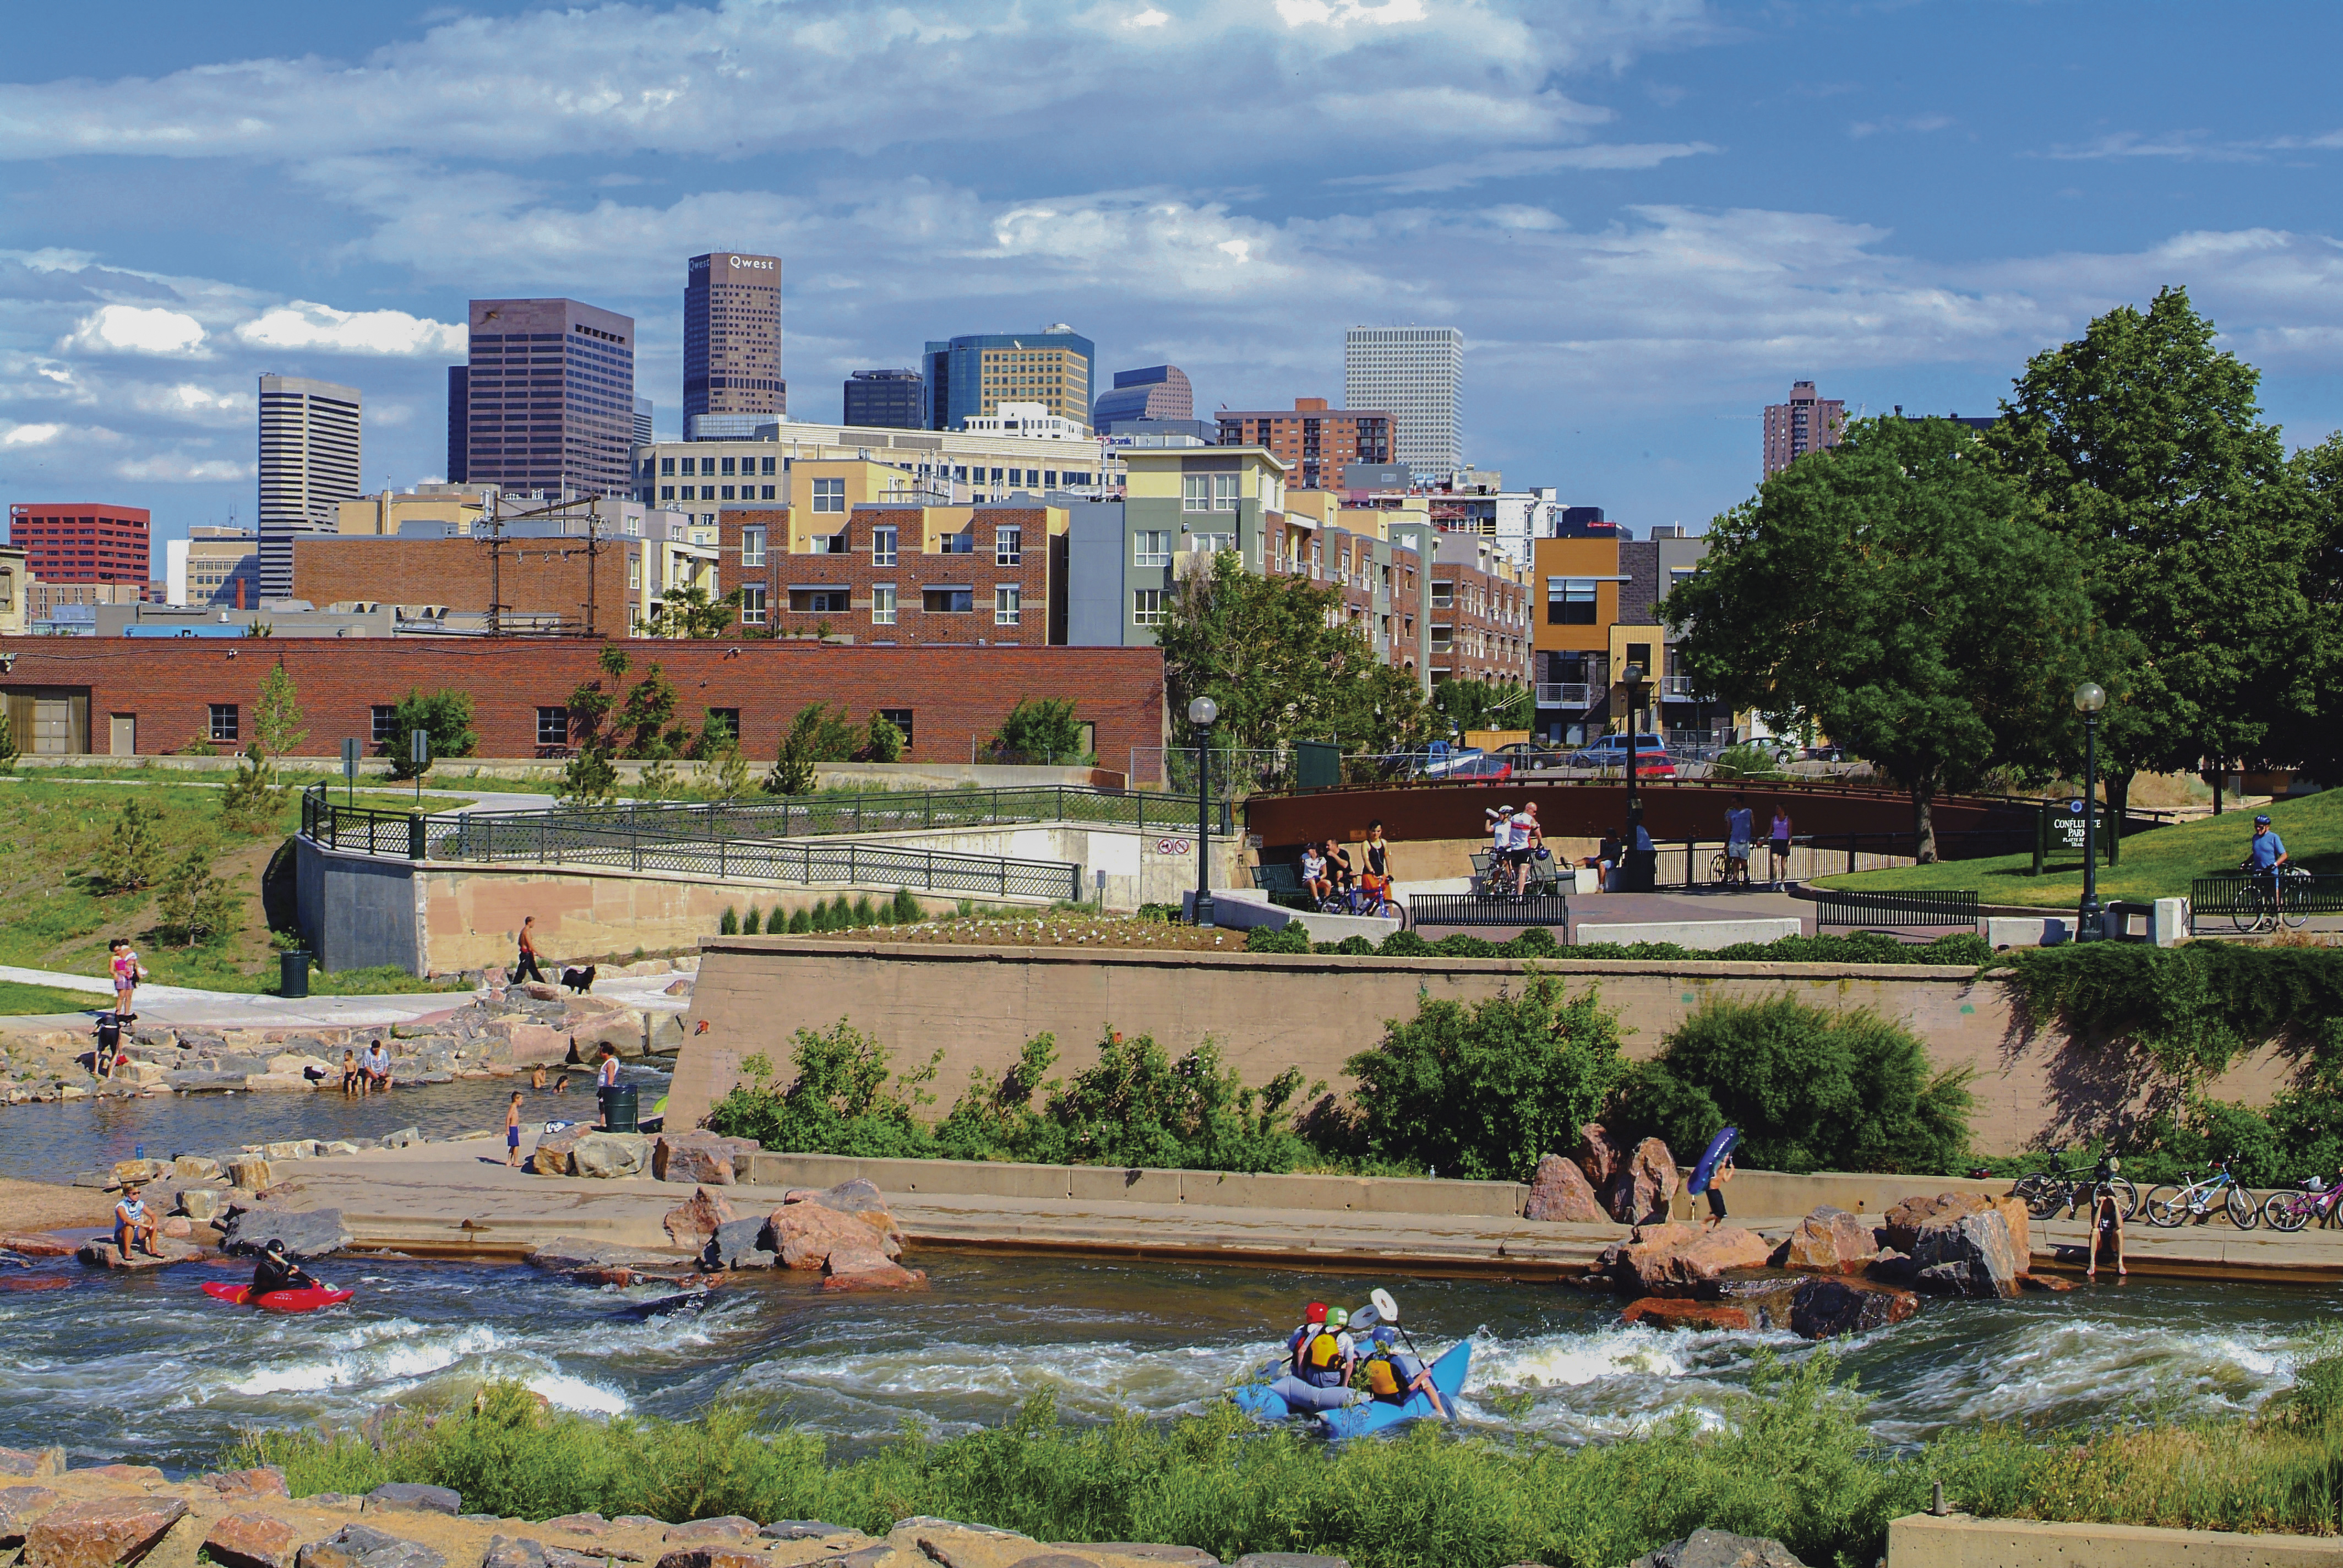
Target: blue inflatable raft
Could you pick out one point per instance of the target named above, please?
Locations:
(1364, 1415)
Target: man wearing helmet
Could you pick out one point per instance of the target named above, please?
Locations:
(1323, 1359)
(2265, 855)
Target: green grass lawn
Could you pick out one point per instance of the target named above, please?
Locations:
(2158, 864)
(17, 999)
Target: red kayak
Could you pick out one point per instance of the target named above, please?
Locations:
(307, 1300)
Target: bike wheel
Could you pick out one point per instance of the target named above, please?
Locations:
(2041, 1198)
(2246, 911)
(2243, 1212)
(1719, 867)
(2168, 1206)
(2126, 1195)
(2295, 910)
(2286, 1211)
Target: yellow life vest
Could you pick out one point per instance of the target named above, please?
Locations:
(1382, 1378)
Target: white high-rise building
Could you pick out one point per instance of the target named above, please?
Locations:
(1411, 373)
(308, 467)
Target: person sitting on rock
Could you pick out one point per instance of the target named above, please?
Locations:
(133, 1225)
(378, 1069)
(1391, 1375)
(276, 1271)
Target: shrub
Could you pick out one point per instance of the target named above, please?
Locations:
(1810, 1089)
(2192, 1009)
(194, 905)
(1293, 939)
(861, 915)
(1483, 1089)
(908, 912)
(801, 922)
(1350, 947)
(882, 741)
(1042, 727)
(751, 922)
(133, 856)
(445, 716)
(1405, 944)
(729, 925)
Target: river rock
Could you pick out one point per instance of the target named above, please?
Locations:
(32, 1247)
(1901, 1222)
(729, 1530)
(100, 1532)
(200, 1203)
(805, 1235)
(19, 1506)
(357, 1546)
(1828, 1305)
(32, 1461)
(1599, 1155)
(253, 1541)
(804, 1529)
(1719, 1549)
(1677, 1313)
(405, 1138)
(306, 1233)
(139, 1170)
(1290, 1560)
(728, 1554)
(741, 1244)
(1147, 1552)
(1641, 1187)
(1680, 1259)
(926, 1540)
(555, 1151)
(859, 1198)
(1559, 1193)
(610, 1155)
(866, 1268)
(1972, 1255)
(1828, 1241)
(2050, 1282)
(414, 1497)
(506, 1552)
(692, 1157)
(251, 1174)
(102, 1253)
(690, 1223)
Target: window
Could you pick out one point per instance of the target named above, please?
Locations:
(728, 465)
(1213, 544)
(769, 466)
(752, 547)
(817, 601)
(1008, 606)
(728, 718)
(1208, 492)
(882, 605)
(1569, 601)
(728, 492)
(830, 494)
(948, 600)
(827, 544)
(1016, 475)
(1147, 606)
(553, 727)
(752, 604)
(765, 492)
(667, 492)
(1150, 547)
(1442, 638)
(386, 722)
(667, 465)
(882, 547)
(1008, 546)
(707, 492)
(960, 544)
(224, 721)
(1048, 479)
(1443, 596)
(901, 718)
(634, 571)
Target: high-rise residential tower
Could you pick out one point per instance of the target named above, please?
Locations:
(732, 337)
(1157, 392)
(972, 377)
(549, 399)
(1807, 423)
(308, 467)
(1413, 373)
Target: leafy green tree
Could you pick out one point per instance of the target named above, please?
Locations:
(818, 734)
(1482, 704)
(9, 750)
(588, 778)
(445, 716)
(882, 742)
(1896, 591)
(276, 717)
(1041, 729)
(2318, 474)
(1284, 664)
(645, 725)
(689, 612)
(133, 856)
(2142, 446)
(254, 795)
(725, 776)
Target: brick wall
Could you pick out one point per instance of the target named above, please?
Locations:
(1040, 615)
(956, 696)
(537, 577)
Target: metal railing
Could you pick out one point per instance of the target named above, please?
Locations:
(2239, 899)
(1465, 910)
(1952, 908)
(1567, 694)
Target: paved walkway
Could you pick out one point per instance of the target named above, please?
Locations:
(180, 1005)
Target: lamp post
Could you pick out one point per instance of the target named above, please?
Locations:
(2089, 697)
(1633, 679)
(1201, 713)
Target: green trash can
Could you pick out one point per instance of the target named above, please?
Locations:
(619, 1108)
(293, 974)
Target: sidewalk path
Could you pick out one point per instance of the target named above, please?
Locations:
(183, 1005)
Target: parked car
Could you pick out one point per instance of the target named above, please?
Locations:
(1651, 759)
(1529, 757)
(1826, 752)
(1481, 766)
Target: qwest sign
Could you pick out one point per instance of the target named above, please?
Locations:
(753, 262)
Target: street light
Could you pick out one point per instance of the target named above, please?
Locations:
(2089, 697)
(1201, 713)
(1633, 679)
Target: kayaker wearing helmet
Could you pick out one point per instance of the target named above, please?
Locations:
(276, 1271)
(1390, 1374)
(1323, 1358)
(1314, 1317)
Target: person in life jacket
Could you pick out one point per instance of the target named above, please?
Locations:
(1323, 1359)
(1391, 1375)
(1313, 1318)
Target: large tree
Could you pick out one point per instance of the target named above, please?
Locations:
(2141, 443)
(2317, 474)
(1896, 591)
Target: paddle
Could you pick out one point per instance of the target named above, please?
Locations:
(1387, 1311)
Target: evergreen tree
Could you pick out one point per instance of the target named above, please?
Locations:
(133, 856)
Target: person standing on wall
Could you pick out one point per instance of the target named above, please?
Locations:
(527, 970)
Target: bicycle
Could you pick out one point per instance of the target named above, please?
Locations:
(2046, 1192)
(2268, 898)
(2291, 1208)
(2172, 1207)
(1355, 899)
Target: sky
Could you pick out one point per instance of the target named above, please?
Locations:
(1647, 217)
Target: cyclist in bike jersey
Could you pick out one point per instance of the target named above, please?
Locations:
(2268, 853)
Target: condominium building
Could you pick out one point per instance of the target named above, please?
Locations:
(732, 337)
(308, 465)
(549, 398)
(885, 400)
(1156, 392)
(1315, 442)
(1807, 423)
(1602, 594)
(82, 541)
(213, 567)
(1414, 372)
(970, 378)
(1480, 612)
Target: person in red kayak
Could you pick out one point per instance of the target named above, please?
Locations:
(276, 1271)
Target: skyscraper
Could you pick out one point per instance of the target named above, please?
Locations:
(973, 376)
(549, 399)
(1804, 424)
(1158, 392)
(459, 421)
(308, 467)
(1413, 373)
(83, 541)
(732, 337)
(885, 400)
(643, 413)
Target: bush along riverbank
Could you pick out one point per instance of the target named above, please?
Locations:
(1792, 1460)
(1811, 1089)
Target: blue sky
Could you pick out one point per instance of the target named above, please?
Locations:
(1647, 217)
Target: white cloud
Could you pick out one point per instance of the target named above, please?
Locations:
(1863, 128)
(1343, 13)
(31, 435)
(183, 468)
(1150, 17)
(303, 323)
(1520, 164)
(138, 329)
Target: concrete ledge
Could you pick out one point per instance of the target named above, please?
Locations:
(1957, 1540)
(2029, 930)
(1705, 935)
(1241, 908)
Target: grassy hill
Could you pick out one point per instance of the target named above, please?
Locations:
(2158, 864)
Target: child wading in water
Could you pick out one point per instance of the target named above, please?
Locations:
(512, 1131)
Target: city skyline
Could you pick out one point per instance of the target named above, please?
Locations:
(1590, 195)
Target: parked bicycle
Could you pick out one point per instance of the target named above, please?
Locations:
(2060, 1188)
(2290, 1208)
(1355, 899)
(2171, 1206)
(2281, 894)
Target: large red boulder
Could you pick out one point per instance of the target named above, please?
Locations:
(1600, 1155)
(253, 1541)
(1560, 1192)
(1679, 1260)
(101, 1533)
(868, 1269)
(700, 1157)
(1828, 1241)
(692, 1222)
(805, 1235)
(1676, 1312)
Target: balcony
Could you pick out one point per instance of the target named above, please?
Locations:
(1577, 696)
(1679, 689)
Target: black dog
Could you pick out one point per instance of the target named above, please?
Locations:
(580, 980)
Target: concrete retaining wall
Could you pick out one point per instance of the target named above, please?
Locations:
(357, 912)
(1957, 1540)
(1705, 935)
(1270, 1011)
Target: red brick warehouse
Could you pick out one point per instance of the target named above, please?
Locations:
(155, 696)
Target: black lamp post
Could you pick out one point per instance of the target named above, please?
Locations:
(1201, 713)
(1633, 679)
(2089, 697)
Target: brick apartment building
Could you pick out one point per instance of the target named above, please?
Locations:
(1480, 612)
(990, 575)
(83, 541)
(1314, 441)
(1807, 423)
(156, 695)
